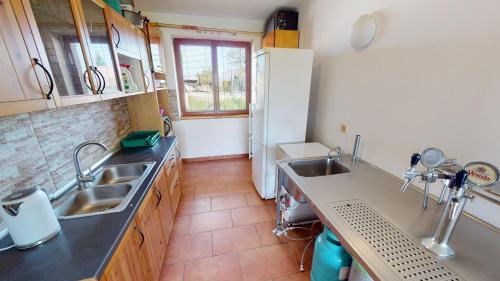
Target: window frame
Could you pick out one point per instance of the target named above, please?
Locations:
(215, 75)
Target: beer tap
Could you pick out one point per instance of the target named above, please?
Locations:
(459, 194)
(430, 158)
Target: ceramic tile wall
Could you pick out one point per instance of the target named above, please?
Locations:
(36, 148)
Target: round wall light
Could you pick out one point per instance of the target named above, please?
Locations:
(363, 32)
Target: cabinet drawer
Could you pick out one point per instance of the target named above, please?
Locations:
(175, 192)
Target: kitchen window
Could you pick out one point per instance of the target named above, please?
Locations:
(213, 77)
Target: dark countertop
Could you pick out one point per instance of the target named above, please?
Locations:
(84, 246)
(477, 245)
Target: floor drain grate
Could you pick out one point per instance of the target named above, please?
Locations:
(408, 259)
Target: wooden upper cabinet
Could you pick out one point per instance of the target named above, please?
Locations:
(60, 28)
(146, 65)
(101, 56)
(123, 34)
(25, 86)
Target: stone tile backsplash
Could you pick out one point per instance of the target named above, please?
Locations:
(36, 148)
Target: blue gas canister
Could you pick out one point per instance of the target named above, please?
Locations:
(330, 262)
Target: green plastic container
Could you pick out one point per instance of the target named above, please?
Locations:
(330, 261)
(115, 4)
(141, 139)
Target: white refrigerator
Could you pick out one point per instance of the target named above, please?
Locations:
(278, 110)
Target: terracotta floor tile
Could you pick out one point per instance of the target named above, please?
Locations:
(228, 202)
(195, 181)
(194, 207)
(173, 272)
(272, 209)
(303, 276)
(210, 191)
(181, 226)
(218, 268)
(235, 239)
(187, 194)
(240, 187)
(295, 249)
(266, 235)
(266, 263)
(253, 198)
(189, 247)
(210, 221)
(225, 179)
(250, 215)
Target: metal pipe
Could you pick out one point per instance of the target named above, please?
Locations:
(355, 150)
(209, 29)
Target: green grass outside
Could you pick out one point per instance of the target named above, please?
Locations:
(227, 102)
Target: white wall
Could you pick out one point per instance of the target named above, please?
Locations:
(211, 137)
(207, 137)
(431, 78)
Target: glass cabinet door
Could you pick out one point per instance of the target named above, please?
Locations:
(55, 20)
(101, 55)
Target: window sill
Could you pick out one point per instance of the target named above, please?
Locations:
(214, 117)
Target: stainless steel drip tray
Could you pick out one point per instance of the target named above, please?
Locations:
(114, 187)
(407, 259)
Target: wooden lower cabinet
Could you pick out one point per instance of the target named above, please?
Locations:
(142, 251)
(148, 220)
(128, 264)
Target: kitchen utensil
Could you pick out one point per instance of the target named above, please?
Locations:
(29, 217)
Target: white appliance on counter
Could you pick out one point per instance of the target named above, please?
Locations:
(301, 211)
(29, 217)
(278, 112)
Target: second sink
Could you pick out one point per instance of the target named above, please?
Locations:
(119, 173)
(93, 200)
(317, 167)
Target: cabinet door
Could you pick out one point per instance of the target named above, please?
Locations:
(59, 25)
(146, 65)
(124, 35)
(164, 207)
(24, 82)
(127, 264)
(101, 54)
(148, 221)
(175, 192)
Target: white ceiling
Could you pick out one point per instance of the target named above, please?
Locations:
(244, 9)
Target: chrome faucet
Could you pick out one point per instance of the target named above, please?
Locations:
(338, 152)
(82, 180)
(459, 194)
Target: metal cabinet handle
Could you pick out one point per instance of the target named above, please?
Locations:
(49, 77)
(148, 81)
(173, 162)
(142, 236)
(158, 194)
(86, 78)
(117, 33)
(100, 75)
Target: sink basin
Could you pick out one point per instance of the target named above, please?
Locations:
(119, 173)
(93, 200)
(111, 192)
(317, 167)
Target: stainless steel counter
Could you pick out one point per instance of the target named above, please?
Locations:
(477, 246)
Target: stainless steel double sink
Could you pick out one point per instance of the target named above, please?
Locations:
(110, 192)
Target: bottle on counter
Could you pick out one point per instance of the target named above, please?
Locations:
(330, 262)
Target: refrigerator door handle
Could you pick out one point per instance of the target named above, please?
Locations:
(250, 113)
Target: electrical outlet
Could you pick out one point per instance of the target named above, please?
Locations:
(343, 128)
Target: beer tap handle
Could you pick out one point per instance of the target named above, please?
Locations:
(410, 173)
(461, 179)
(415, 158)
